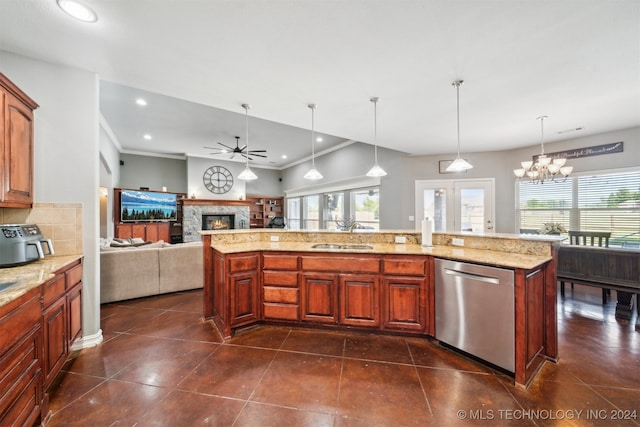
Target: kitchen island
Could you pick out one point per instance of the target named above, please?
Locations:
(366, 280)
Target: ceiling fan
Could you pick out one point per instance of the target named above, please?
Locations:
(237, 150)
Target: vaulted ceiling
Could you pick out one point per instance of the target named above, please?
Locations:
(196, 62)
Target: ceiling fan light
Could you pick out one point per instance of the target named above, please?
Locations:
(313, 174)
(459, 165)
(376, 171)
(247, 174)
(78, 10)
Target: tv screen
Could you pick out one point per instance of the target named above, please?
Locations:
(147, 206)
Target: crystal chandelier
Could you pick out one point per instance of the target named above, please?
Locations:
(544, 168)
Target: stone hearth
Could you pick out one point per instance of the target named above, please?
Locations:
(194, 209)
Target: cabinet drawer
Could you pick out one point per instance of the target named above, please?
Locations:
(53, 290)
(354, 264)
(18, 368)
(280, 311)
(280, 278)
(74, 276)
(248, 262)
(279, 262)
(405, 266)
(285, 295)
(18, 317)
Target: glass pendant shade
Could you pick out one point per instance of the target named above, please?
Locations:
(247, 174)
(376, 170)
(459, 164)
(313, 174)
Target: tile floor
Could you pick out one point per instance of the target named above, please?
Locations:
(161, 365)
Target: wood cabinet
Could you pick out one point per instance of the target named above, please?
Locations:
(404, 284)
(62, 318)
(280, 291)
(153, 231)
(360, 300)
(21, 391)
(262, 209)
(16, 142)
(319, 297)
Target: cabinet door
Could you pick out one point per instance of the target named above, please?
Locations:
(18, 153)
(404, 303)
(319, 297)
(359, 300)
(55, 339)
(124, 231)
(74, 311)
(151, 232)
(139, 230)
(244, 298)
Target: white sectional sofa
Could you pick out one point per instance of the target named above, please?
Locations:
(153, 269)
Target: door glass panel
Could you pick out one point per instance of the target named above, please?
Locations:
(435, 206)
(472, 209)
(333, 209)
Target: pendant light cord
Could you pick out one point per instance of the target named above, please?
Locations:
(375, 129)
(541, 118)
(457, 84)
(246, 116)
(313, 136)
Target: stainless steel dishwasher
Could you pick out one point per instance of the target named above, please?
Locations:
(474, 307)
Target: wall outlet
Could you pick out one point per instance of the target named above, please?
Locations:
(275, 238)
(401, 239)
(457, 242)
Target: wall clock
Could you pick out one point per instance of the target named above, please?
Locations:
(218, 179)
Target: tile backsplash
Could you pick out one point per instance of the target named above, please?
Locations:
(60, 222)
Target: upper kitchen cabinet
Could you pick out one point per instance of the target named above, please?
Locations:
(16, 143)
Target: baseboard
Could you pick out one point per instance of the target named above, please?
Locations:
(87, 341)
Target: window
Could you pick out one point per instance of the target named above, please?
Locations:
(608, 201)
(326, 210)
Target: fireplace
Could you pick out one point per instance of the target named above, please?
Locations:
(223, 221)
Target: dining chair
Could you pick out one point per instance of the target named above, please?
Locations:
(589, 238)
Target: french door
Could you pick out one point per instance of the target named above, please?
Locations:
(456, 205)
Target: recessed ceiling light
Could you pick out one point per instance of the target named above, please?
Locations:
(284, 156)
(319, 139)
(78, 10)
(141, 102)
(146, 136)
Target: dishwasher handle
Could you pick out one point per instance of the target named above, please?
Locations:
(472, 276)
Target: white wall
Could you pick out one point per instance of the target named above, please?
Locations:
(66, 159)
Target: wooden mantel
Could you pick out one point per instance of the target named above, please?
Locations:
(214, 202)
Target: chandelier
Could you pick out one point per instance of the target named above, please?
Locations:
(544, 168)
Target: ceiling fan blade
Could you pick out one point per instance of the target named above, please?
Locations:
(257, 151)
(226, 146)
(243, 147)
(257, 155)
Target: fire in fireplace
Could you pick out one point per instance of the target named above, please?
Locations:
(218, 221)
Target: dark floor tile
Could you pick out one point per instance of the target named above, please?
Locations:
(178, 324)
(360, 422)
(383, 393)
(186, 409)
(314, 341)
(257, 414)
(231, 371)
(71, 387)
(459, 398)
(167, 301)
(125, 318)
(377, 347)
(302, 381)
(261, 336)
(109, 404)
(429, 353)
(169, 366)
(628, 401)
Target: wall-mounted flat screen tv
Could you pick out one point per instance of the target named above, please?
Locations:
(138, 205)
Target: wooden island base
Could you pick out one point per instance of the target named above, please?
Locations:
(374, 291)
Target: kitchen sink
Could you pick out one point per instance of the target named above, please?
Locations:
(334, 246)
(6, 285)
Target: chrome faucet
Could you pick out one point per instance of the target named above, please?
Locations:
(351, 228)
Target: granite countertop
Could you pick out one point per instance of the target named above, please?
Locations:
(481, 256)
(29, 276)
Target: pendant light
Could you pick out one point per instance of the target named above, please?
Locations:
(247, 174)
(376, 170)
(544, 168)
(459, 164)
(313, 174)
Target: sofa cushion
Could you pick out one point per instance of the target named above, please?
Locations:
(129, 273)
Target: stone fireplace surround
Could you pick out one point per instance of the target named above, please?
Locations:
(194, 209)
